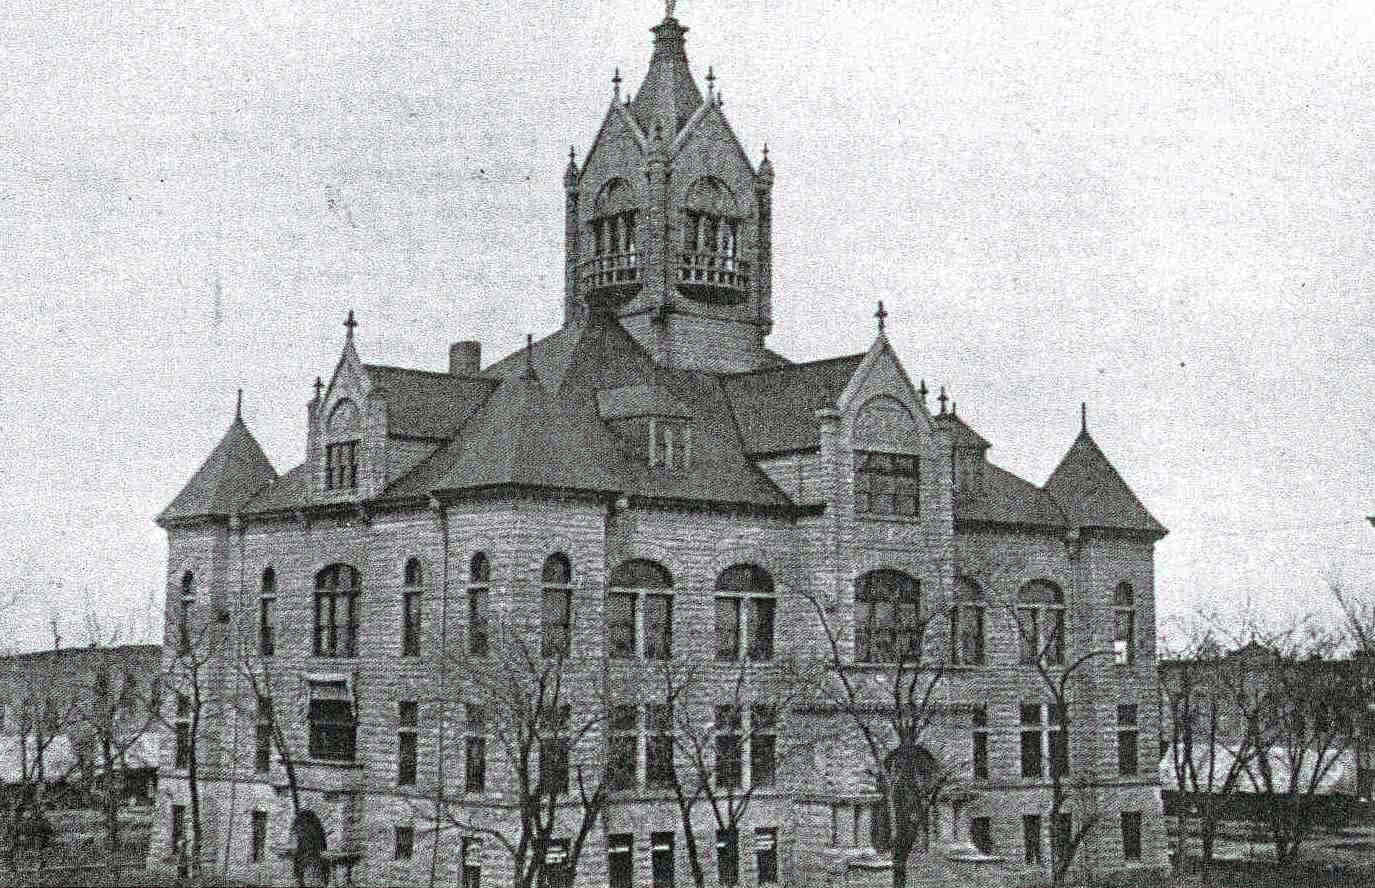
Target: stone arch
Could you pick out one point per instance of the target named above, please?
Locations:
(344, 419)
(883, 419)
(615, 196)
(711, 196)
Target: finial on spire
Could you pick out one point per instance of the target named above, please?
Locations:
(529, 354)
(1084, 416)
(720, 98)
(616, 84)
(766, 150)
(942, 398)
(238, 406)
(668, 8)
(881, 314)
(350, 323)
(711, 82)
(319, 387)
(923, 391)
(572, 155)
(954, 407)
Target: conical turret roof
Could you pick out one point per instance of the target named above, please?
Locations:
(1093, 494)
(235, 470)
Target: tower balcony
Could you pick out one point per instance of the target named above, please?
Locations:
(616, 276)
(714, 277)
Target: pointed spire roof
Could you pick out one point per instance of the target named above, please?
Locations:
(1093, 494)
(668, 96)
(235, 470)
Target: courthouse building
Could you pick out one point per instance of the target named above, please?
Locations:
(650, 483)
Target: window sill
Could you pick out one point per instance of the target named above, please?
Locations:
(888, 519)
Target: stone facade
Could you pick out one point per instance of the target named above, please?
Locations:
(521, 461)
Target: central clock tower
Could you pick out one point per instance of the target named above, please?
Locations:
(669, 224)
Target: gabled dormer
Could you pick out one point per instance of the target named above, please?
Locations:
(347, 431)
(669, 224)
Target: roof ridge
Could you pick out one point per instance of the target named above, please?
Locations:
(792, 366)
(399, 369)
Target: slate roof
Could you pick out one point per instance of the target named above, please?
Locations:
(1006, 499)
(668, 93)
(1093, 494)
(639, 400)
(235, 470)
(426, 403)
(961, 435)
(775, 408)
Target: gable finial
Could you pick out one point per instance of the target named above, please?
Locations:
(349, 324)
(238, 406)
(711, 82)
(1084, 416)
(942, 399)
(954, 407)
(881, 314)
(923, 391)
(616, 84)
(668, 8)
(766, 150)
(529, 354)
(319, 387)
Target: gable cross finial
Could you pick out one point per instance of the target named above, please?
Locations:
(616, 83)
(350, 323)
(711, 82)
(529, 354)
(1084, 416)
(881, 314)
(319, 387)
(942, 399)
(238, 406)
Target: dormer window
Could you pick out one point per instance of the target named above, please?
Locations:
(670, 443)
(341, 465)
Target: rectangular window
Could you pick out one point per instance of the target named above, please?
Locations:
(727, 628)
(623, 725)
(661, 859)
(262, 758)
(766, 855)
(1061, 831)
(410, 624)
(333, 732)
(620, 860)
(553, 765)
(1127, 740)
(556, 872)
(178, 839)
(658, 627)
(1131, 835)
(183, 744)
(472, 862)
(267, 642)
(1031, 838)
(981, 834)
(405, 842)
(1031, 740)
(728, 746)
(763, 744)
(886, 483)
(475, 750)
(620, 625)
(341, 465)
(980, 757)
(556, 620)
(1123, 638)
(1057, 738)
(258, 843)
(727, 857)
(477, 622)
(659, 746)
(761, 629)
(406, 744)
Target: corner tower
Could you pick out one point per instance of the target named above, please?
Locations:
(668, 223)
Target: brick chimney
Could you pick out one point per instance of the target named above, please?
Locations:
(465, 358)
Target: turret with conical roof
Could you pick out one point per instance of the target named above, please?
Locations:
(668, 224)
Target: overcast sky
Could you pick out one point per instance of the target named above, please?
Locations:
(1163, 208)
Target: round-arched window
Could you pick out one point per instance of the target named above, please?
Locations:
(556, 611)
(336, 611)
(640, 604)
(745, 612)
(1041, 622)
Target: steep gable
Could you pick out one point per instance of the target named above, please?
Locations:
(1093, 494)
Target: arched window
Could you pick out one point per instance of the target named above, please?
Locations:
(887, 617)
(1124, 624)
(479, 587)
(556, 615)
(341, 451)
(1041, 623)
(613, 222)
(188, 601)
(709, 223)
(336, 611)
(640, 603)
(267, 617)
(410, 608)
(967, 624)
(747, 588)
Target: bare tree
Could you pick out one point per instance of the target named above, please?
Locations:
(266, 709)
(1044, 650)
(894, 710)
(533, 703)
(707, 704)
